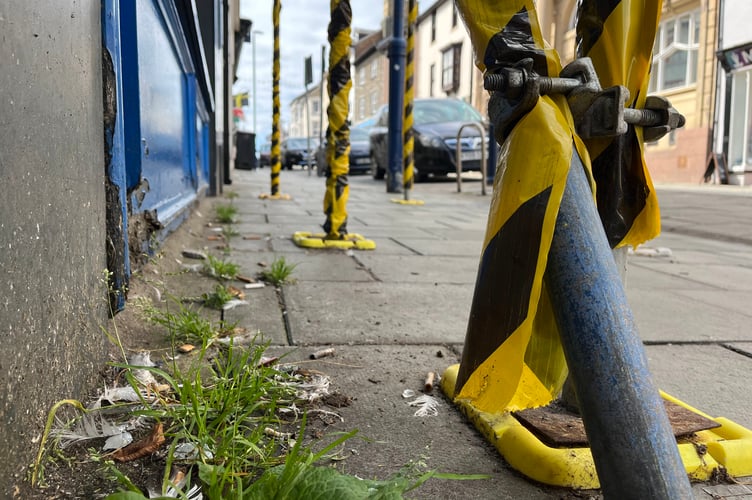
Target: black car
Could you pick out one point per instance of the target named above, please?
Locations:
(294, 151)
(360, 153)
(436, 123)
(265, 154)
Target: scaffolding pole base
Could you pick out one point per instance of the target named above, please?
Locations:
(319, 240)
(408, 202)
(278, 196)
(726, 449)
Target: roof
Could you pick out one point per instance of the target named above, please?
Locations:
(366, 46)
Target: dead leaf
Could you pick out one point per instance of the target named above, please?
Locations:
(252, 237)
(236, 292)
(245, 279)
(215, 237)
(143, 447)
(186, 348)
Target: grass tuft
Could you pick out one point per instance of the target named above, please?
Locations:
(279, 272)
(225, 213)
(220, 268)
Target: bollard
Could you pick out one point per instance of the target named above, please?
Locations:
(396, 95)
(458, 157)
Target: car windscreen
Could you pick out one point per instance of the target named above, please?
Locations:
(358, 135)
(299, 143)
(444, 110)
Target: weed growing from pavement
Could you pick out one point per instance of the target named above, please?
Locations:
(185, 324)
(225, 213)
(218, 298)
(279, 272)
(219, 413)
(220, 269)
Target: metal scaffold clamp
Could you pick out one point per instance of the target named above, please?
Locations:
(597, 112)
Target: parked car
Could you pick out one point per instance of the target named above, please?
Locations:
(436, 122)
(360, 153)
(366, 124)
(265, 154)
(294, 151)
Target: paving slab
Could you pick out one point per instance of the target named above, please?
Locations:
(452, 247)
(421, 269)
(727, 276)
(709, 377)
(376, 313)
(323, 265)
(390, 436)
(262, 314)
(663, 316)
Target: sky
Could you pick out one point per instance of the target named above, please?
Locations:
(303, 30)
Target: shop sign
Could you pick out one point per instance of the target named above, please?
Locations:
(736, 58)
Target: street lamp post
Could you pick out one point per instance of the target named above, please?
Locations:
(253, 42)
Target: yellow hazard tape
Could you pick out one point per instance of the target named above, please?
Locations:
(338, 145)
(320, 240)
(728, 446)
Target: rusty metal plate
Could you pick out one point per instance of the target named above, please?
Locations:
(556, 426)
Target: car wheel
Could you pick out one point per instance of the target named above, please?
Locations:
(376, 171)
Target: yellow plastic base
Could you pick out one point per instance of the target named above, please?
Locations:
(278, 196)
(319, 240)
(728, 446)
(408, 202)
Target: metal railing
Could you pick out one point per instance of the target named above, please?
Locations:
(458, 156)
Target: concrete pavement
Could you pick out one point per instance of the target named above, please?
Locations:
(398, 312)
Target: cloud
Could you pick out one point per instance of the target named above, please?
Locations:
(303, 31)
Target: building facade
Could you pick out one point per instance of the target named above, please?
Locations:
(684, 70)
(308, 113)
(370, 76)
(732, 142)
(444, 64)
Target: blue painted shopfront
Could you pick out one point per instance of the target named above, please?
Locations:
(159, 142)
(160, 94)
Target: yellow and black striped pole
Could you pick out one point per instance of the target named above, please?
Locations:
(275, 153)
(621, 55)
(407, 127)
(338, 141)
(338, 147)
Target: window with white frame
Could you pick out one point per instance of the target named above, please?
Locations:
(374, 68)
(450, 68)
(362, 108)
(740, 127)
(433, 26)
(361, 76)
(374, 101)
(675, 53)
(315, 106)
